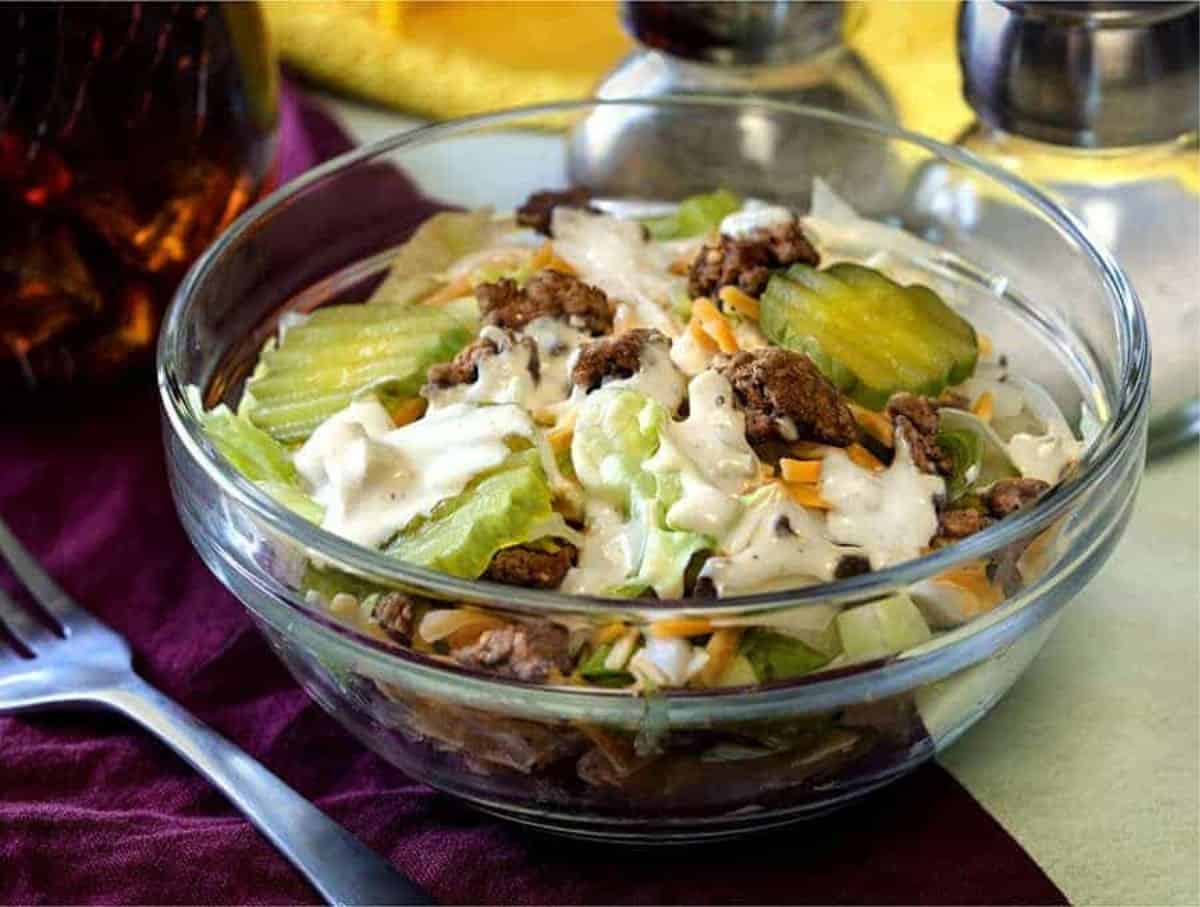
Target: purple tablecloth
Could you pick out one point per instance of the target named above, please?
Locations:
(94, 810)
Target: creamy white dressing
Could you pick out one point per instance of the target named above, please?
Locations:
(702, 507)
(777, 544)
(889, 514)
(756, 215)
(1043, 456)
(609, 553)
(656, 377)
(373, 478)
(612, 254)
(504, 377)
(688, 355)
(533, 370)
(714, 433)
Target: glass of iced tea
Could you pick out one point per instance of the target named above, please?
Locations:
(130, 135)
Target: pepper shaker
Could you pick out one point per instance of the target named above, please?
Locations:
(1099, 103)
(769, 49)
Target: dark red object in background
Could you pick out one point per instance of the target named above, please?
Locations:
(130, 135)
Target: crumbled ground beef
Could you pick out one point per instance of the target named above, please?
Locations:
(615, 357)
(915, 419)
(535, 568)
(958, 524)
(395, 613)
(1004, 498)
(746, 262)
(1009, 495)
(548, 293)
(849, 565)
(538, 210)
(526, 651)
(464, 368)
(772, 383)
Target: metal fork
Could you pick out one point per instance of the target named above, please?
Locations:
(83, 662)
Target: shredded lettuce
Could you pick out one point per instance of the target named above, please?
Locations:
(695, 215)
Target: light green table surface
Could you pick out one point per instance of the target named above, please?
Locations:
(1092, 761)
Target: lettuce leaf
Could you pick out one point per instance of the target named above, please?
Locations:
(695, 215)
(435, 246)
(882, 628)
(777, 657)
(593, 669)
(256, 455)
(616, 432)
(499, 509)
(980, 457)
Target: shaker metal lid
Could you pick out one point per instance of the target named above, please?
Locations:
(741, 33)
(1098, 74)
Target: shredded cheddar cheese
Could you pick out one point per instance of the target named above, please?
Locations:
(408, 410)
(455, 289)
(547, 259)
(609, 633)
(470, 632)
(722, 647)
(806, 495)
(740, 302)
(984, 406)
(714, 324)
(863, 458)
(875, 424)
(680, 626)
(800, 470)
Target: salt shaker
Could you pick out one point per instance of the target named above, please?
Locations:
(1099, 104)
(774, 50)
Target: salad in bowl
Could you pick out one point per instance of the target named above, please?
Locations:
(708, 400)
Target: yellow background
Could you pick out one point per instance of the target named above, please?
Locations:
(447, 59)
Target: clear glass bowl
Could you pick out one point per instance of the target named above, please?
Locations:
(677, 765)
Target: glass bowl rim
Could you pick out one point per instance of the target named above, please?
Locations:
(1102, 454)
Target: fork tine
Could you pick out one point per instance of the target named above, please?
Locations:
(28, 631)
(45, 590)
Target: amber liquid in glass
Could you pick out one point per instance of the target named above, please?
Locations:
(130, 135)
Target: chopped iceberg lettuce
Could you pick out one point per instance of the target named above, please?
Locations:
(256, 455)
(695, 215)
(595, 670)
(616, 432)
(665, 559)
(494, 511)
(777, 657)
(882, 628)
(980, 457)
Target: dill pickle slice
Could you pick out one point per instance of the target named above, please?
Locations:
(343, 352)
(868, 334)
(796, 317)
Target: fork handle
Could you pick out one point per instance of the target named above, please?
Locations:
(338, 865)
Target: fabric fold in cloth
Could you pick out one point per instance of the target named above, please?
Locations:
(93, 810)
